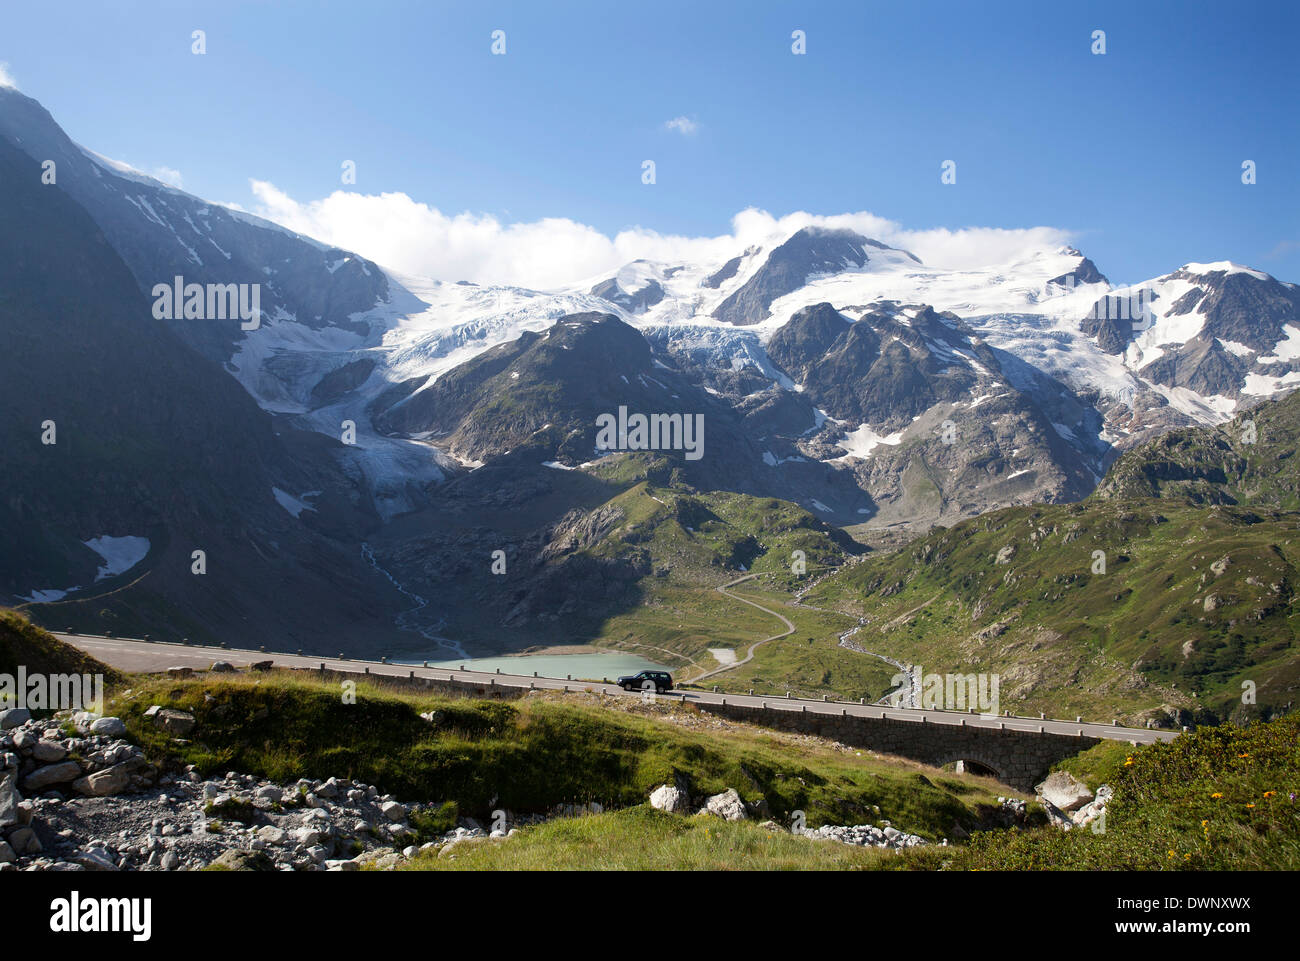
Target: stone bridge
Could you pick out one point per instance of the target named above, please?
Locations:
(1017, 758)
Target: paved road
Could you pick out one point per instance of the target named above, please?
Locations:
(143, 656)
(749, 656)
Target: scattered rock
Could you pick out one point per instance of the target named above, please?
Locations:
(113, 780)
(670, 798)
(109, 727)
(50, 775)
(233, 860)
(1064, 790)
(13, 717)
(175, 723)
(865, 835)
(727, 806)
(48, 752)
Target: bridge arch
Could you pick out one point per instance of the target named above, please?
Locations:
(973, 764)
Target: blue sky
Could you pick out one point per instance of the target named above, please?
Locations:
(1138, 152)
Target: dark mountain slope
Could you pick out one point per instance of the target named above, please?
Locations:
(152, 441)
(160, 232)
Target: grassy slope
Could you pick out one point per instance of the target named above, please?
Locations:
(1224, 798)
(1220, 799)
(1228, 464)
(700, 541)
(535, 753)
(1069, 641)
(1135, 642)
(810, 661)
(22, 642)
(643, 839)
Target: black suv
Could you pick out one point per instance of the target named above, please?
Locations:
(662, 680)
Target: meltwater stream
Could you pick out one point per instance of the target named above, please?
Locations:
(409, 620)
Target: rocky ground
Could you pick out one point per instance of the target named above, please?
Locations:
(1070, 804)
(87, 800)
(75, 795)
(675, 799)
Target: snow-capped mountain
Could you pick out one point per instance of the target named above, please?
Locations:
(833, 370)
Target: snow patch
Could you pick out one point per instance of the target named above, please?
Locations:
(119, 553)
(861, 442)
(294, 505)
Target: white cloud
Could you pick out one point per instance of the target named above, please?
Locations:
(413, 238)
(168, 175)
(684, 125)
(7, 78)
(972, 247)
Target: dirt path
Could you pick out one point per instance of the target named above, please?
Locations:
(749, 655)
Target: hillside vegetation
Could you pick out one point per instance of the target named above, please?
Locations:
(23, 643)
(541, 751)
(1250, 461)
(1221, 799)
(1190, 604)
(1169, 595)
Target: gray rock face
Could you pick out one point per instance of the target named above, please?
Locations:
(727, 806)
(13, 717)
(634, 302)
(9, 797)
(669, 798)
(109, 727)
(812, 250)
(113, 780)
(175, 723)
(723, 273)
(1064, 791)
(48, 752)
(50, 775)
(1238, 307)
(964, 417)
